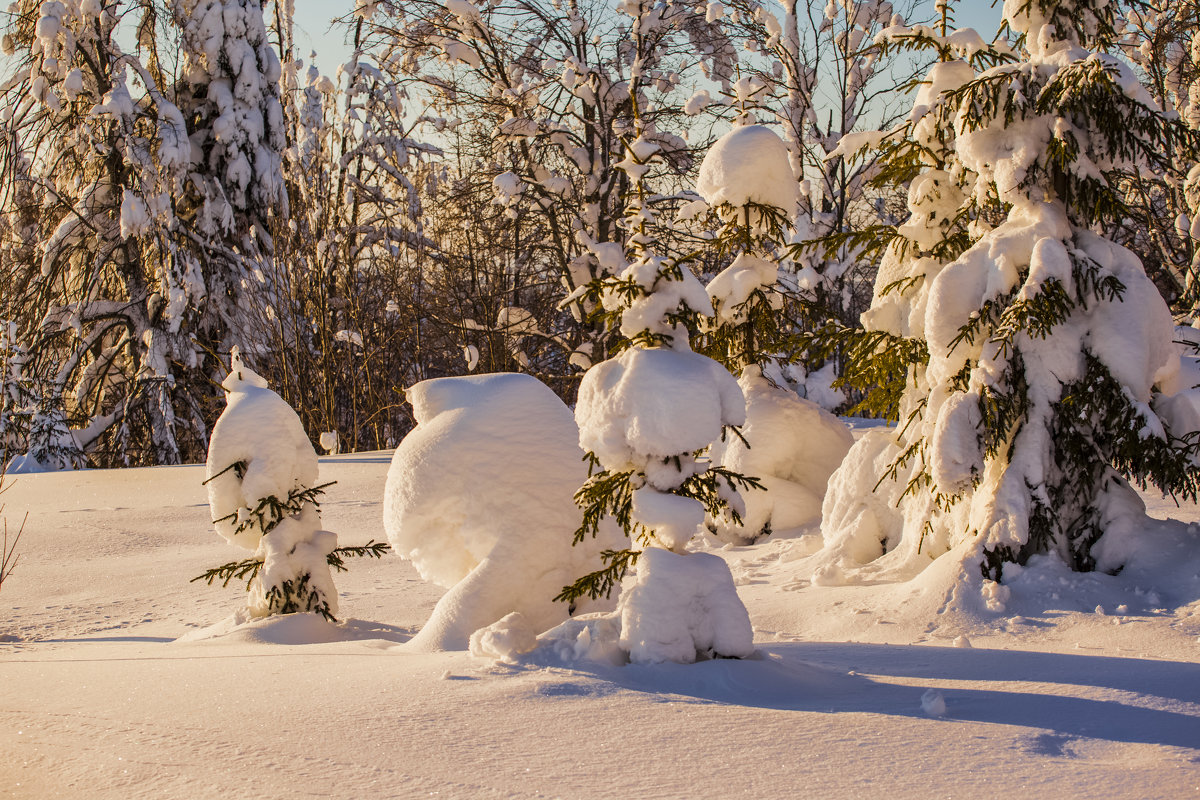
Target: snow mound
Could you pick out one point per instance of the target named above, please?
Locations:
(510, 636)
(676, 608)
(748, 165)
(286, 629)
(654, 402)
(794, 446)
(683, 606)
(859, 518)
(479, 497)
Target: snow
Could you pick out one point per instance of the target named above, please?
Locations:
(683, 606)
(479, 499)
(677, 607)
(732, 287)
(654, 403)
(793, 448)
(101, 696)
(260, 429)
(748, 165)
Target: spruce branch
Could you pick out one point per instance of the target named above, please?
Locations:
(248, 569)
(372, 549)
(602, 581)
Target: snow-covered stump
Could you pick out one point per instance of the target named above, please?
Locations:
(262, 489)
(479, 498)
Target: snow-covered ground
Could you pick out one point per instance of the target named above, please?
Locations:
(119, 680)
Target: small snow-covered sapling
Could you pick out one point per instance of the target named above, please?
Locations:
(263, 493)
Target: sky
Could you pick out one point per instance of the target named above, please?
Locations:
(314, 31)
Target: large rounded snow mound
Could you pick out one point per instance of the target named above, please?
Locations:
(480, 498)
(748, 165)
(680, 607)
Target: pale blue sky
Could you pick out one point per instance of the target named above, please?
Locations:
(312, 27)
(312, 32)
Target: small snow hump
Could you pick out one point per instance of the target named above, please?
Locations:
(933, 703)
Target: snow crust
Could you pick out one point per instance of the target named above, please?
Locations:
(95, 675)
(479, 498)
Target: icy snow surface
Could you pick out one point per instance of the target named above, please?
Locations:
(1084, 687)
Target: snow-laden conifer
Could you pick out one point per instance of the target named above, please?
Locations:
(790, 444)
(263, 495)
(646, 417)
(1049, 351)
(95, 151)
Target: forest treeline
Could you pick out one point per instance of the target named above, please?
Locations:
(176, 180)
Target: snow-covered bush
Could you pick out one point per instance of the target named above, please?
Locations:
(479, 498)
(262, 490)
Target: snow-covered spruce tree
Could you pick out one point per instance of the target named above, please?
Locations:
(1048, 348)
(791, 44)
(262, 491)
(788, 443)
(645, 418)
(885, 359)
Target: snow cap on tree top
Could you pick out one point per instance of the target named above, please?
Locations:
(748, 165)
(240, 376)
